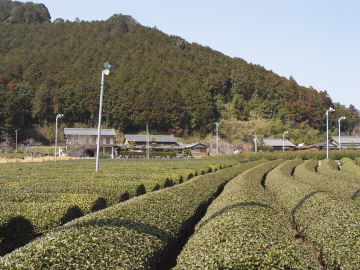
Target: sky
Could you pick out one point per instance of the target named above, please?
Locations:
(317, 42)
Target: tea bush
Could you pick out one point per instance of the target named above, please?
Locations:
(241, 230)
(137, 234)
(332, 226)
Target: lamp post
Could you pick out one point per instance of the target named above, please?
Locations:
(255, 143)
(217, 124)
(106, 71)
(327, 131)
(56, 133)
(341, 118)
(286, 132)
(16, 133)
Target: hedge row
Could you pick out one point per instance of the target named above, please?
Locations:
(138, 234)
(304, 155)
(350, 166)
(332, 226)
(22, 221)
(326, 177)
(241, 230)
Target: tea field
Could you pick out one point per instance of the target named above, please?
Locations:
(217, 213)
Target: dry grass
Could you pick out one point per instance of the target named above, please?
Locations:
(35, 159)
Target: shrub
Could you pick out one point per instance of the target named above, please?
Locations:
(241, 230)
(124, 197)
(168, 183)
(137, 234)
(331, 225)
(140, 190)
(156, 187)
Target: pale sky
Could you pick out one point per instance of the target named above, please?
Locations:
(315, 41)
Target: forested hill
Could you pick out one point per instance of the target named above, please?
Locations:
(49, 68)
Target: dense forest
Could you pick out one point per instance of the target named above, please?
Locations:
(55, 67)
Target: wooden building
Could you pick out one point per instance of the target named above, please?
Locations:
(197, 149)
(160, 143)
(82, 142)
(277, 144)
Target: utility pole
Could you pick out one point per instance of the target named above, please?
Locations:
(147, 142)
(217, 124)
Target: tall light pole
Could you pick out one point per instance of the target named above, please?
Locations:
(255, 142)
(106, 71)
(16, 133)
(341, 118)
(217, 124)
(286, 132)
(56, 133)
(147, 142)
(327, 131)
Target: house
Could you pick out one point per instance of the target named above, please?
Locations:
(82, 142)
(277, 144)
(156, 142)
(352, 142)
(322, 146)
(197, 149)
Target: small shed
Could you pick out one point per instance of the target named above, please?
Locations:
(278, 144)
(197, 149)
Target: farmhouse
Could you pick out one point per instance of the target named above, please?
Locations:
(352, 142)
(82, 142)
(156, 142)
(277, 144)
(197, 149)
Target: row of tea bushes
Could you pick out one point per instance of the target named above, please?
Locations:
(137, 234)
(331, 226)
(349, 165)
(326, 177)
(241, 230)
(21, 222)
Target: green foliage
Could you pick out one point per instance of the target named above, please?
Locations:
(137, 234)
(350, 166)
(335, 230)
(15, 12)
(241, 230)
(159, 80)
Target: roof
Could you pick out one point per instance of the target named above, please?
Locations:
(89, 131)
(346, 139)
(156, 138)
(197, 144)
(323, 145)
(278, 142)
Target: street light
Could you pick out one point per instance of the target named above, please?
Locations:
(341, 118)
(327, 131)
(106, 71)
(217, 124)
(255, 143)
(286, 132)
(16, 135)
(56, 133)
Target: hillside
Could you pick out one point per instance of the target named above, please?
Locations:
(161, 80)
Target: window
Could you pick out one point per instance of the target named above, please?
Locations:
(107, 140)
(197, 150)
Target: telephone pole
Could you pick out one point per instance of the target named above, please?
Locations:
(217, 124)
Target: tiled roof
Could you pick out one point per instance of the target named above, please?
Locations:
(278, 143)
(89, 131)
(156, 138)
(346, 139)
(201, 145)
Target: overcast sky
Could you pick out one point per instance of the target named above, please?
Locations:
(315, 41)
